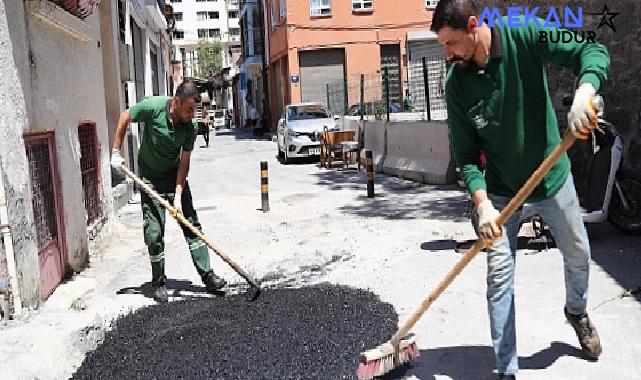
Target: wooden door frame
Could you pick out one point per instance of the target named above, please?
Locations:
(50, 136)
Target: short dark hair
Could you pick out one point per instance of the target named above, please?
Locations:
(452, 13)
(188, 89)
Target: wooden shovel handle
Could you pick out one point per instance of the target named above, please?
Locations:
(511, 207)
(181, 218)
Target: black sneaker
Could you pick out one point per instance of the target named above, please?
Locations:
(503, 376)
(586, 332)
(213, 283)
(160, 294)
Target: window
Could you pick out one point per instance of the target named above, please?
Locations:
(232, 14)
(179, 34)
(431, 3)
(307, 112)
(208, 33)
(283, 9)
(362, 5)
(202, 16)
(178, 16)
(234, 31)
(320, 7)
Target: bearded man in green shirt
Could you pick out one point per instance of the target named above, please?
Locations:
(163, 159)
(498, 103)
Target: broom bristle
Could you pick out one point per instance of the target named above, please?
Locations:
(384, 358)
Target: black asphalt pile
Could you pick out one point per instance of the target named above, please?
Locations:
(306, 333)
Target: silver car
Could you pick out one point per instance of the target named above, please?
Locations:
(299, 130)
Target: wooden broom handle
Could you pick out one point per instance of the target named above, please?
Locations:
(511, 207)
(181, 218)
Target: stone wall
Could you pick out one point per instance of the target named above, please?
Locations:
(622, 91)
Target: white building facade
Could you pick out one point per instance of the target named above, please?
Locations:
(212, 21)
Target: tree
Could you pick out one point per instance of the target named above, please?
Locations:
(210, 59)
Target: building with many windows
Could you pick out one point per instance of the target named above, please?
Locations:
(206, 20)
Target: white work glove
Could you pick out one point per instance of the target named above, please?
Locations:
(488, 229)
(178, 205)
(582, 118)
(116, 159)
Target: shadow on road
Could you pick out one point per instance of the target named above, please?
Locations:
(397, 198)
(240, 134)
(474, 362)
(617, 254)
(175, 289)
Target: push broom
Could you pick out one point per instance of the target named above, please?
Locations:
(181, 219)
(401, 349)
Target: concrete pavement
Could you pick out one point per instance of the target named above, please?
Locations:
(322, 228)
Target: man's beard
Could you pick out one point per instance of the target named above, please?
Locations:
(463, 62)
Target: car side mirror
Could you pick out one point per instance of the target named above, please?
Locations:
(567, 99)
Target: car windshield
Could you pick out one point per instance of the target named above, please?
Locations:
(219, 113)
(313, 111)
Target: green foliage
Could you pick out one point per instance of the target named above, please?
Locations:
(210, 59)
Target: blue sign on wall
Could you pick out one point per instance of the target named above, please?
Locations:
(295, 79)
(243, 81)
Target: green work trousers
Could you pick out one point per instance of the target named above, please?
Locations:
(154, 229)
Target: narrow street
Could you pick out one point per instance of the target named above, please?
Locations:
(323, 228)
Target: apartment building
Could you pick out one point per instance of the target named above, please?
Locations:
(207, 20)
(316, 43)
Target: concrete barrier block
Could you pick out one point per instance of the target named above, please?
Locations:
(419, 151)
(375, 140)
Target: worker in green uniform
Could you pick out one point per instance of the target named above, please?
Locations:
(163, 161)
(498, 103)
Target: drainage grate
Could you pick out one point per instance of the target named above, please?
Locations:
(90, 170)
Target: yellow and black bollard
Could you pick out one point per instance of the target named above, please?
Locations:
(369, 165)
(264, 188)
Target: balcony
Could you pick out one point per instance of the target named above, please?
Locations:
(155, 10)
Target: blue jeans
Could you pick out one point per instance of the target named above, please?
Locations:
(562, 214)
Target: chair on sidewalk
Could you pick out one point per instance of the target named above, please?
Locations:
(335, 145)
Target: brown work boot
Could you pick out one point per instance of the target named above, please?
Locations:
(213, 283)
(160, 294)
(586, 332)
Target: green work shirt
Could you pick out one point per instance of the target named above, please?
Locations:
(162, 140)
(505, 110)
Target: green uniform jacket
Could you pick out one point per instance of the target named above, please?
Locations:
(506, 112)
(162, 140)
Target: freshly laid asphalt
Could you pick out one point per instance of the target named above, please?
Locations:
(304, 333)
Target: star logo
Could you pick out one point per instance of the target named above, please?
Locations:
(606, 17)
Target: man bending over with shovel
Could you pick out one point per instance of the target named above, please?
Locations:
(498, 103)
(163, 160)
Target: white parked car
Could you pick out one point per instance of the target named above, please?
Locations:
(299, 130)
(219, 118)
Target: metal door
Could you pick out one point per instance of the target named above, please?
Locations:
(47, 210)
(391, 60)
(323, 71)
